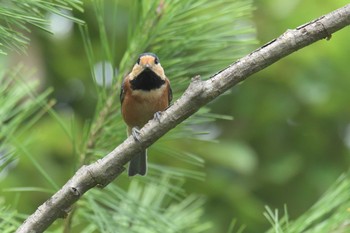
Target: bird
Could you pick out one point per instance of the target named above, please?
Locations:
(145, 92)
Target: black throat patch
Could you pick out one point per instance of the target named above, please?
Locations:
(147, 80)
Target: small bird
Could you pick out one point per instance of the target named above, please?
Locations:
(145, 92)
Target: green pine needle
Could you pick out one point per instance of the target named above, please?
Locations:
(143, 208)
(18, 16)
(329, 214)
(9, 220)
(18, 105)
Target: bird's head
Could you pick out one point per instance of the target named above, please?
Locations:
(147, 63)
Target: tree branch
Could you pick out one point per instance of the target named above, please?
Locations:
(199, 93)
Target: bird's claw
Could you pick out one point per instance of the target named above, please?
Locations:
(157, 116)
(135, 132)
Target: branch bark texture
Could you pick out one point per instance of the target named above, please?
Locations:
(199, 93)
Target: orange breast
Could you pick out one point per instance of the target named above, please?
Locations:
(140, 106)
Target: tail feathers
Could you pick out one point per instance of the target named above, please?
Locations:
(138, 165)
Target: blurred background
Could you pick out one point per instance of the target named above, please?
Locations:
(288, 142)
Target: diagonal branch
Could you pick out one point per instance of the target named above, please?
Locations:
(199, 93)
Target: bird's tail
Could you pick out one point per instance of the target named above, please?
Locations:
(138, 165)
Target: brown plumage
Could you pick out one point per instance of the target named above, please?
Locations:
(145, 91)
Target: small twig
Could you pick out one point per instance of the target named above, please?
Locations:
(199, 93)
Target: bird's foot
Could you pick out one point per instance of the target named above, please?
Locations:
(157, 116)
(135, 132)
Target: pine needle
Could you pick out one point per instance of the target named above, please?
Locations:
(329, 214)
(17, 16)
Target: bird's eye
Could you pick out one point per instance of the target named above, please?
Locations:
(138, 61)
(156, 61)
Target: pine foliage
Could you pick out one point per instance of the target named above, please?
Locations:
(21, 108)
(194, 37)
(329, 214)
(184, 34)
(17, 17)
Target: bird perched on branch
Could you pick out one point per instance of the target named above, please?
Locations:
(145, 92)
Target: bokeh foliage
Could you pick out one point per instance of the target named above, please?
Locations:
(18, 16)
(287, 144)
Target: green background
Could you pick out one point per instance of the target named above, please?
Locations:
(288, 142)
